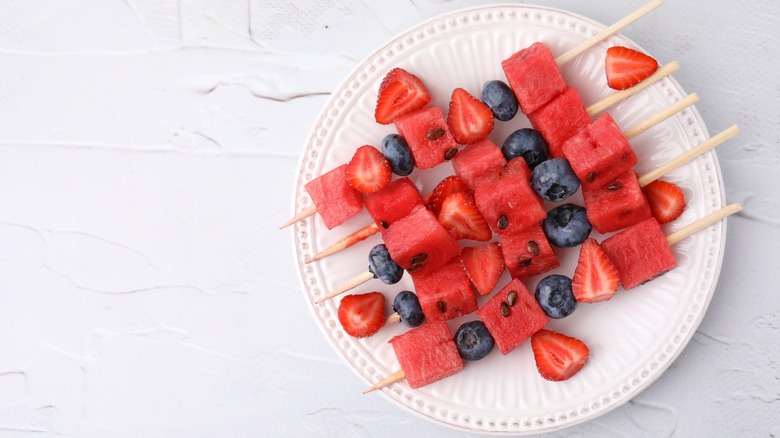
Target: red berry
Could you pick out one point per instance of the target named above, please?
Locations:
(460, 217)
(666, 200)
(595, 278)
(469, 119)
(626, 67)
(400, 93)
(446, 187)
(484, 266)
(362, 315)
(368, 171)
(558, 357)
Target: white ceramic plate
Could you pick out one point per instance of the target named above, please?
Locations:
(633, 337)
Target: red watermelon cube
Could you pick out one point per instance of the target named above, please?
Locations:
(534, 76)
(418, 242)
(602, 156)
(528, 252)
(616, 205)
(509, 204)
(444, 293)
(518, 166)
(512, 320)
(640, 253)
(392, 203)
(335, 199)
(476, 159)
(428, 136)
(427, 353)
(560, 119)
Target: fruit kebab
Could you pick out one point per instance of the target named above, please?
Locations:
(395, 148)
(362, 315)
(641, 253)
(400, 94)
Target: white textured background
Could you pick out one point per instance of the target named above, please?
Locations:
(148, 150)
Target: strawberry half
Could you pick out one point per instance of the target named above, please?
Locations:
(626, 67)
(595, 278)
(666, 200)
(459, 216)
(400, 93)
(362, 315)
(368, 171)
(469, 119)
(484, 266)
(558, 357)
(446, 187)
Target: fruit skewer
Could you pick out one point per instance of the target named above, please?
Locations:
(596, 108)
(566, 57)
(671, 239)
(629, 133)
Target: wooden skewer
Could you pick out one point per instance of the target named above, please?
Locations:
(392, 319)
(351, 284)
(689, 155)
(357, 236)
(702, 223)
(608, 32)
(389, 380)
(300, 216)
(618, 96)
(661, 116)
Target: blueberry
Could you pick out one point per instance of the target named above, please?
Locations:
(528, 144)
(396, 151)
(566, 226)
(382, 266)
(555, 296)
(500, 99)
(408, 308)
(473, 340)
(554, 180)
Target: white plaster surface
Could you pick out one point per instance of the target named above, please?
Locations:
(148, 150)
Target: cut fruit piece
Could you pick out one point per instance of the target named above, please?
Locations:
(362, 315)
(476, 159)
(335, 199)
(534, 76)
(558, 357)
(508, 204)
(512, 316)
(427, 354)
(617, 204)
(528, 252)
(484, 265)
(627, 67)
(368, 171)
(559, 119)
(393, 203)
(666, 200)
(596, 278)
(446, 187)
(400, 93)
(428, 136)
(460, 217)
(469, 119)
(445, 293)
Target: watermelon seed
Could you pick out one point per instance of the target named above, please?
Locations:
(384, 224)
(504, 309)
(614, 186)
(435, 133)
(417, 262)
(511, 299)
(503, 222)
(591, 176)
(450, 154)
(533, 248)
(442, 307)
(525, 262)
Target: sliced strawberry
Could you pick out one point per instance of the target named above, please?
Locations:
(626, 67)
(666, 200)
(459, 216)
(484, 266)
(446, 187)
(558, 357)
(362, 315)
(469, 119)
(368, 171)
(595, 278)
(400, 93)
